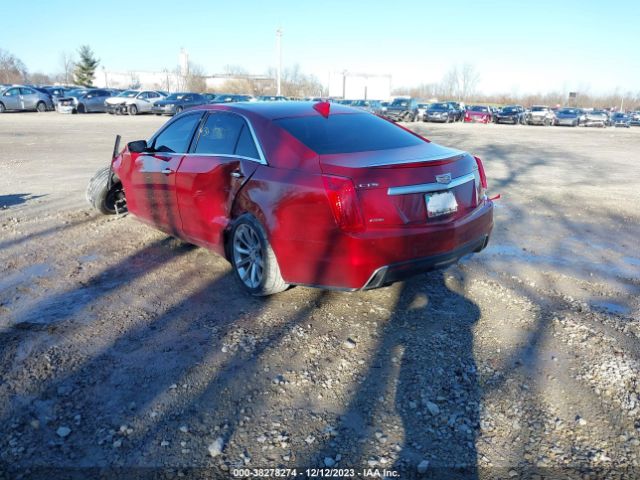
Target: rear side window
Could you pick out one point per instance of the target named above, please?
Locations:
(226, 134)
(246, 147)
(177, 136)
(347, 133)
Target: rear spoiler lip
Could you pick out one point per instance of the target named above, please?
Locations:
(434, 154)
(451, 157)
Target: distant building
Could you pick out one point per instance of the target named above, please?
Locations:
(354, 86)
(172, 81)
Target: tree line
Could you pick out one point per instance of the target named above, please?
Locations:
(459, 83)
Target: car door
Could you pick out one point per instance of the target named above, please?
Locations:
(28, 98)
(153, 174)
(224, 156)
(11, 99)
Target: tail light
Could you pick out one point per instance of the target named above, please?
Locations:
(482, 187)
(467, 116)
(344, 202)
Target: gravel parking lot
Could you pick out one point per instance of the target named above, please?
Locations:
(122, 347)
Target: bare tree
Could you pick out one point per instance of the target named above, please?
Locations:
(67, 64)
(134, 81)
(468, 81)
(39, 78)
(195, 80)
(12, 70)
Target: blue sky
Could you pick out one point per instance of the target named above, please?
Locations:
(516, 46)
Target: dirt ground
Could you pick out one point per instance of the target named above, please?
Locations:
(125, 350)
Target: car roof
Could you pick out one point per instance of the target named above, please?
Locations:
(275, 110)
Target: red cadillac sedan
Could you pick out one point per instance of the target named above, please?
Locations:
(302, 193)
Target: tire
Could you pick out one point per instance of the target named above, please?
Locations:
(41, 107)
(104, 200)
(248, 249)
(81, 108)
(2, 108)
(178, 110)
(133, 109)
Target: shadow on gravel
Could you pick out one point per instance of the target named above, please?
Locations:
(14, 199)
(46, 232)
(424, 371)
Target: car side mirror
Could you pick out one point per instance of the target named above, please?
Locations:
(139, 146)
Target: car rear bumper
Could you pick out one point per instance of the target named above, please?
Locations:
(66, 108)
(386, 255)
(163, 111)
(513, 120)
(402, 270)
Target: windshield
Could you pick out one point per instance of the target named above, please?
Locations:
(509, 110)
(568, 111)
(479, 108)
(439, 106)
(360, 103)
(400, 102)
(128, 93)
(538, 109)
(176, 96)
(347, 133)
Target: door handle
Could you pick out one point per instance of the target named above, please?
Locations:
(237, 174)
(166, 171)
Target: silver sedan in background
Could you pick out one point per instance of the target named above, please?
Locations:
(19, 97)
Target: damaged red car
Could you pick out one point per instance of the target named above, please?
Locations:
(297, 193)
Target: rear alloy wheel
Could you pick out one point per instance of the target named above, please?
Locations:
(81, 108)
(41, 107)
(105, 198)
(2, 108)
(253, 260)
(133, 110)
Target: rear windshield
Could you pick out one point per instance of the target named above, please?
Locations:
(347, 133)
(478, 108)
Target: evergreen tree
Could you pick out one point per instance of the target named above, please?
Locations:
(85, 70)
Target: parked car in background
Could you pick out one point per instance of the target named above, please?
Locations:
(478, 113)
(422, 108)
(402, 110)
(116, 104)
(596, 118)
(272, 98)
(634, 119)
(513, 114)
(230, 98)
(568, 116)
(84, 101)
(24, 98)
(386, 203)
(373, 106)
(56, 94)
(458, 109)
(143, 102)
(440, 112)
(177, 102)
(539, 115)
(621, 120)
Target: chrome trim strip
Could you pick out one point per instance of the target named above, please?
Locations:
(224, 155)
(431, 187)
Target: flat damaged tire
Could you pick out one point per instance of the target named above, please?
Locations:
(106, 199)
(253, 260)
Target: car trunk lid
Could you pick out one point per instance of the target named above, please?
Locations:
(394, 187)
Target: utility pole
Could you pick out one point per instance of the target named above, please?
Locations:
(279, 48)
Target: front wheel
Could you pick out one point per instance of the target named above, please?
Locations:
(133, 109)
(106, 197)
(178, 110)
(41, 107)
(253, 260)
(2, 108)
(81, 108)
